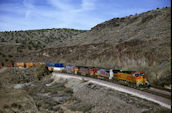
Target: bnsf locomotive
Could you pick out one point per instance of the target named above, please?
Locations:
(131, 77)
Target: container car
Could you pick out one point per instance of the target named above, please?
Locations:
(69, 68)
(58, 67)
(29, 64)
(8, 64)
(50, 66)
(20, 64)
(38, 63)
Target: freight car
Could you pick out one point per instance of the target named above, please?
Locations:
(50, 66)
(8, 64)
(58, 67)
(29, 64)
(38, 63)
(71, 69)
(20, 64)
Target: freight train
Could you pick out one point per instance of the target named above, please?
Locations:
(134, 78)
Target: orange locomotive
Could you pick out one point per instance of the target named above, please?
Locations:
(132, 77)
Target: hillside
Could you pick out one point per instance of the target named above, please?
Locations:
(15, 44)
(137, 42)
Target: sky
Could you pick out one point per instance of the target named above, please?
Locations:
(76, 14)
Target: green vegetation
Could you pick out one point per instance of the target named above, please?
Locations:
(6, 60)
(41, 71)
(10, 56)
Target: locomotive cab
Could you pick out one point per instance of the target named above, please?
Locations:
(141, 79)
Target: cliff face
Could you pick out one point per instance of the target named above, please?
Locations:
(139, 42)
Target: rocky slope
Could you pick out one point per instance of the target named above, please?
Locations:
(137, 42)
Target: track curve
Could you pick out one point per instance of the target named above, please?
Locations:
(138, 93)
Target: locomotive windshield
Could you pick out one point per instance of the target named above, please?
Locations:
(136, 75)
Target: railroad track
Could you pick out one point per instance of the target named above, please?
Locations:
(166, 93)
(159, 96)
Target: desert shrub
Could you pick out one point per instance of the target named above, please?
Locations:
(22, 46)
(2, 40)
(68, 90)
(81, 107)
(3, 55)
(6, 106)
(30, 48)
(73, 99)
(1, 111)
(15, 105)
(57, 108)
(9, 56)
(41, 71)
(17, 41)
(20, 51)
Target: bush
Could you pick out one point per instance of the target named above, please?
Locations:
(17, 41)
(84, 108)
(30, 48)
(9, 56)
(68, 90)
(41, 71)
(2, 40)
